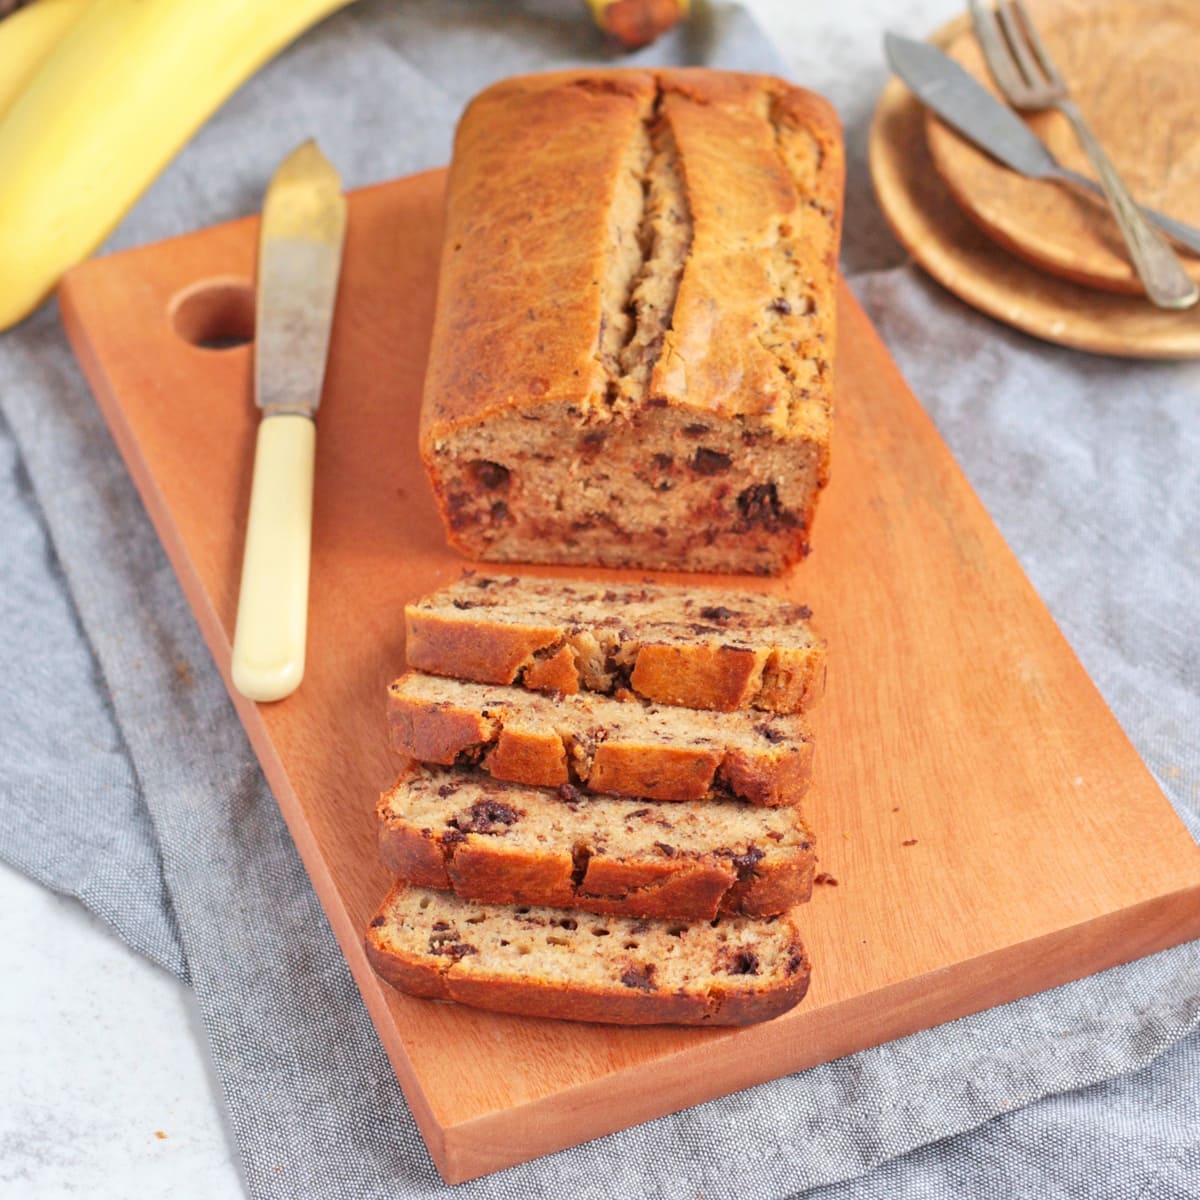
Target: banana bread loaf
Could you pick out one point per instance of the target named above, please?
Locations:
(632, 351)
(544, 962)
(696, 647)
(513, 844)
(624, 747)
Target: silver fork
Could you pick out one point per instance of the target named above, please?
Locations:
(1024, 72)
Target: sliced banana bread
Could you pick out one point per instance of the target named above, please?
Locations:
(695, 647)
(544, 962)
(624, 747)
(513, 844)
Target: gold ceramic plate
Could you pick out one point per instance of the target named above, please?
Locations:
(1133, 67)
(959, 256)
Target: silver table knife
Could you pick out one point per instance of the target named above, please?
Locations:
(966, 105)
(299, 260)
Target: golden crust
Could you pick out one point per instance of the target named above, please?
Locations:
(556, 672)
(691, 676)
(658, 772)
(466, 642)
(576, 863)
(530, 748)
(483, 871)
(440, 734)
(563, 999)
(555, 139)
(526, 132)
(561, 1002)
(723, 677)
(535, 756)
(497, 653)
(499, 874)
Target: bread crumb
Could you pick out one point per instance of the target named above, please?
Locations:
(158, 1133)
(910, 842)
(825, 878)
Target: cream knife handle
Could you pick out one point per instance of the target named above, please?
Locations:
(272, 616)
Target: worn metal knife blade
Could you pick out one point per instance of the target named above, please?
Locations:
(299, 260)
(966, 105)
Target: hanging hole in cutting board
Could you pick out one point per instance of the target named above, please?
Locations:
(214, 314)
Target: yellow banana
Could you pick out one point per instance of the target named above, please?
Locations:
(27, 37)
(127, 85)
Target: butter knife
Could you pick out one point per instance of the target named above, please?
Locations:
(299, 260)
(966, 105)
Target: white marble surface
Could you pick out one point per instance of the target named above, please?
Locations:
(100, 1052)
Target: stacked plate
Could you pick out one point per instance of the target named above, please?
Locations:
(1046, 257)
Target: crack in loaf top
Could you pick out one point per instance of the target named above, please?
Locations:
(557, 176)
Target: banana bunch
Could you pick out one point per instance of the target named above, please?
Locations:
(635, 23)
(96, 98)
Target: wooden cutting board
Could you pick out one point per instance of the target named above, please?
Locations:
(991, 830)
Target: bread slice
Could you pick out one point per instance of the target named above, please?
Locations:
(545, 962)
(624, 747)
(513, 844)
(696, 647)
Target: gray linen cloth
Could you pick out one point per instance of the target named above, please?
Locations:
(127, 780)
